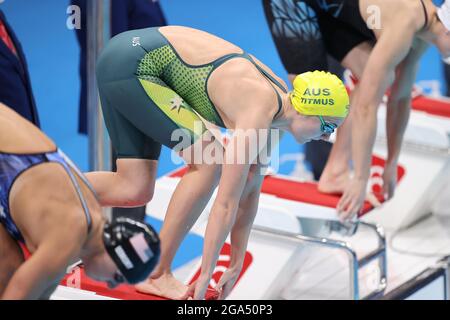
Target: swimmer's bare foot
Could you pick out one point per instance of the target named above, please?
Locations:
(337, 183)
(165, 286)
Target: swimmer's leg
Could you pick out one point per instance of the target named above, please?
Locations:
(187, 203)
(11, 258)
(129, 116)
(337, 170)
(132, 184)
(141, 110)
(141, 115)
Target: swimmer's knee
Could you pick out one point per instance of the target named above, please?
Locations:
(357, 58)
(136, 181)
(139, 196)
(134, 192)
(144, 196)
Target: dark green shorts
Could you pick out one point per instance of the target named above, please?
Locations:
(142, 112)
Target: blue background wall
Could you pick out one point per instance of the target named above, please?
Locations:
(52, 53)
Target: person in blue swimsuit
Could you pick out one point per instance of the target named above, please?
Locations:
(47, 206)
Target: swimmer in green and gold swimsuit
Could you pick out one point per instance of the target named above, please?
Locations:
(171, 85)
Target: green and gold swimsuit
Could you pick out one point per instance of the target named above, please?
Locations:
(147, 92)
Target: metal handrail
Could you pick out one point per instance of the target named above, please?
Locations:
(354, 263)
(379, 254)
(447, 278)
(444, 264)
(422, 280)
(98, 16)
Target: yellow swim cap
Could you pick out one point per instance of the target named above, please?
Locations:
(320, 93)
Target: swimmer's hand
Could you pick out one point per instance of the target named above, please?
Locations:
(227, 282)
(352, 199)
(190, 292)
(196, 290)
(211, 294)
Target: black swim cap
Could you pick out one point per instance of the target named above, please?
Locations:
(133, 246)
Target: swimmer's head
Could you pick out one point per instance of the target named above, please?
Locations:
(322, 104)
(131, 252)
(320, 93)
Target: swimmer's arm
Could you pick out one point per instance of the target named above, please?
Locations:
(231, 186)
(399, 104)
(46, 266)
(248, 206)
(378, 75)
